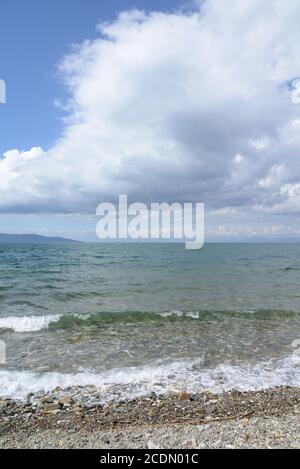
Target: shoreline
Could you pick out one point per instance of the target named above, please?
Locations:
(267, 418)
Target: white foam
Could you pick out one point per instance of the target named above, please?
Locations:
(180, 314)
(37, 323)
(163, 379)
(28, 323)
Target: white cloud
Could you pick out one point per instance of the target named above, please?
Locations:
(273, 179)
(174, 106)
(261, 144)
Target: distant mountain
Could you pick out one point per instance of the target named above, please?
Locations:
(33, 239)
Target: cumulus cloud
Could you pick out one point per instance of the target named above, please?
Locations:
(182, 106)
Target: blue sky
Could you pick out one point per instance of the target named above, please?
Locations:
(163, 101)
(34, 35)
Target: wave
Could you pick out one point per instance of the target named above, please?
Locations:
(80, 320)
(28, 323)
(128, 383)
(74, 321)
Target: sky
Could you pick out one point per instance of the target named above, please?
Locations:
(163, 101)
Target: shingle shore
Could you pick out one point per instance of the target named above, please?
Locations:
(269, 418)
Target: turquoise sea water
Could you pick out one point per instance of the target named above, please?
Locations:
(133, 318)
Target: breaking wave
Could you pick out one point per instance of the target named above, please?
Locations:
(127, 383)
(76, 320)
(28, 323)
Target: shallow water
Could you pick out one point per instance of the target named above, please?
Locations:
(133, 318)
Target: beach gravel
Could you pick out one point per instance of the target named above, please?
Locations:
(264, 419)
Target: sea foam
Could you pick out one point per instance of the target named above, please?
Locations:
(28, 323)
(130, 382)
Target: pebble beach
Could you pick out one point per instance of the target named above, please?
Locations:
(257, 419)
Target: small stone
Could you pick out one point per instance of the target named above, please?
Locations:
(210, 408)
(66, 401)
(46, 400)
(184, 396)
(49, 408)
(58, 389)
(245, 420)
(152, 445)
(3, 405)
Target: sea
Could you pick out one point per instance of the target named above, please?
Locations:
(134, 319)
